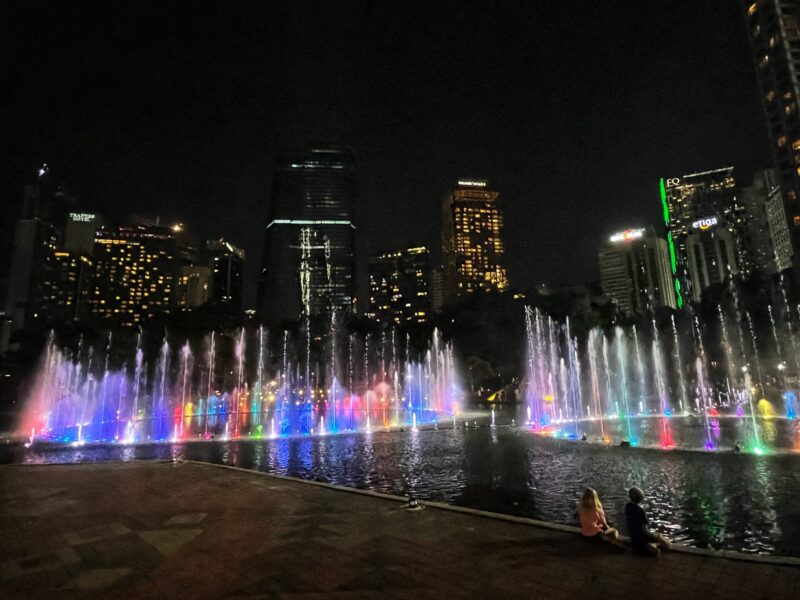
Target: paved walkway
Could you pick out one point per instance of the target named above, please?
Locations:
(163, 530)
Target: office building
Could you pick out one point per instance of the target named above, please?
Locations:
(437, 289)
(472, 240)
(79, 232)
(768, 244)
(5, 333)
(136, 268)
(194, 286)
(68, 287)
(226, 262)
(774, 33)
(635, 271)
(710, 254)
(692, 200)
(309, 252)
(32, 267)
(47, 200)
(399, 292)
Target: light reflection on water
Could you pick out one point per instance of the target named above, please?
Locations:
(721, 500)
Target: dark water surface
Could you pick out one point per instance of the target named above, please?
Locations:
(719, 500)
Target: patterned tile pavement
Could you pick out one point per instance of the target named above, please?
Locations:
(178, 530)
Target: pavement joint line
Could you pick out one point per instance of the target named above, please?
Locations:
(679, 548)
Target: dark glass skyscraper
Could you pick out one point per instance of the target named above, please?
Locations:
(635, 271)
(774, 30)
(32, 271)
(226, 262)
(309, 252)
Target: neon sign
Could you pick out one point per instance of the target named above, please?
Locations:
(472, 183)
(82, 217)
(706, 223)
(627, 235)
(673, 181)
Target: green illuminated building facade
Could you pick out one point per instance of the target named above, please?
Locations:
(703, 205)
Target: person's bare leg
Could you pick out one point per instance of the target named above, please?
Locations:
(653, 549)
(611, 536)
(663, 542)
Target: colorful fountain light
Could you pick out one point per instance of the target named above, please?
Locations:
(222, 388)
(629, 382)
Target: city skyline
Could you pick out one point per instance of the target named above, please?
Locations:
(518, 260)
(215, 148)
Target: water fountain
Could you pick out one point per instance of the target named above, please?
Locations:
(235, 391)
(694, 378)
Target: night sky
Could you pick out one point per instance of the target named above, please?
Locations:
(571, 109)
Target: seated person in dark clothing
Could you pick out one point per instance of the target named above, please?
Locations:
(643, 540)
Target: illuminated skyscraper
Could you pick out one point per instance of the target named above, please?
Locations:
(635, 271)
(472, 240)
(399, 290)
(136, 269)
(774, 32)
(696, 202)
(309, 251)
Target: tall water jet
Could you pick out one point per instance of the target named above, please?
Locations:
(640, 372)
(661, 388)
(258, 396)
(239, 391)
(212, 353)
(703, 401)
(679, 366)
(730, 361)
(137, 378)
(756, 357)
(612, 404)
(332, 374)
(161, 418)
(595, 379)
(574, 392)
(623, 387)
(186, 357)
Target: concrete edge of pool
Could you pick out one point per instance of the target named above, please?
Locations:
(722, 554)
